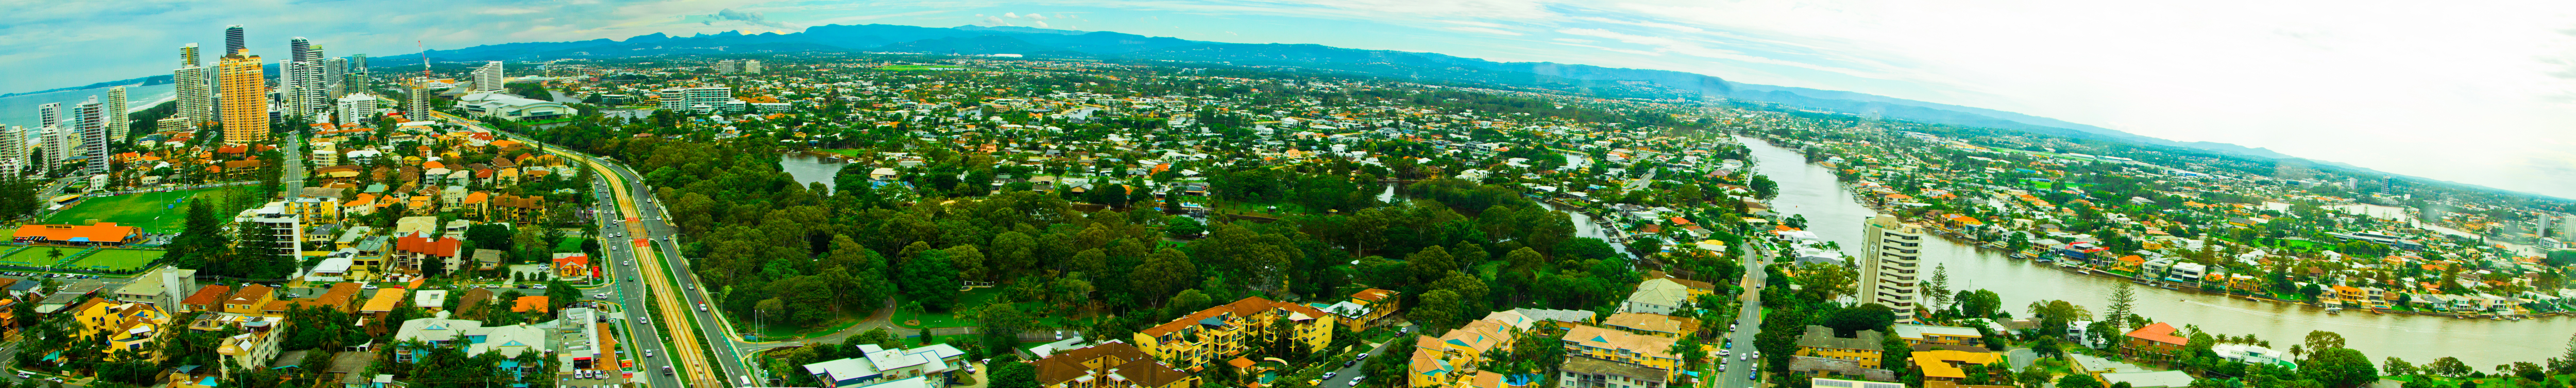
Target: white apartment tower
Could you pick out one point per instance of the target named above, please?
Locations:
(1890, 275)
(416, 106)
(117, 123)
(13, 153)
(194, 87)
(49, 115)
(728, 66)
(90, 128)
(750, 66)
(487, 79)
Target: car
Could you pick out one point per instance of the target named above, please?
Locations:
(1329, 375)
(604, 295)
(666, 370)
(1355, 380)
(1362, 357)
(644, 320)
(1723, 353)
(1347, 364)
(702, 307)
(540, 287)
(648, 352)
(692, 286)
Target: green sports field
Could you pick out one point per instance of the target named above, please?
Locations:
(159, 212)
(117, 260)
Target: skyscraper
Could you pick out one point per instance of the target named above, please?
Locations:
(416, 104)
(358, 77)
(245, 104)
(751, 66)
(357, 108)
(1888, 275)
(193, 89)
(233, 43)
(295, 78)
(335, 77)
(117, 123)
(89, 123)
(487, 79)
(49, 115)
(13, 150)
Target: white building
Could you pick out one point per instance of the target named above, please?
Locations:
(512, 106)
(510, 341)
(1888, 276)
(882, 366)
(117, 123)
(284, 226)
(357, 108)
(702, 98)
(487, 79)
(90, 125)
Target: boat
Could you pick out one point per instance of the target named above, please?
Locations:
(2379, 311)
(2334, 310)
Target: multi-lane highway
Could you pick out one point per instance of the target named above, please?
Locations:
(667, 308)
(1737, 359)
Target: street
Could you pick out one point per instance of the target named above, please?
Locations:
(1748, 322)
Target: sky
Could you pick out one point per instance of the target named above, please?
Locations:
(2473, 92)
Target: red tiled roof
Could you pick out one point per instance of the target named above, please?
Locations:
(441, 247)
(2159, 332)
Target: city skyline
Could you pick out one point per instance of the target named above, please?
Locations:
(2322, 84)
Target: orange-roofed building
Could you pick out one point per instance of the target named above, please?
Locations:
(2155, 342)
(572, 265)
(536, 303)
(102, 234)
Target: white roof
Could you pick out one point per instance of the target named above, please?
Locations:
(2157, 379)
(1917, 331)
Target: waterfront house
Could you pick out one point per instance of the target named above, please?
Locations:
(2155, 342)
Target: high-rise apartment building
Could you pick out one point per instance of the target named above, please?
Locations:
(357, 108)
(728, 66)
(1890, 274)
(335, 77)
(487, 79)
(193, 90)
(89, 128)
(13, 150)
(358, 75)
(52, 142)
(245, 100)
(750, 66)
(49, 115)
(233, 43)
(416, 107)
(117, 123)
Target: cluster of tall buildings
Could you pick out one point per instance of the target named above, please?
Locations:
(79, 133)
(235, 93)
(745, 66)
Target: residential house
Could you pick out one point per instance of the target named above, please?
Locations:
(2155, 342)
(250, 300)
(510, 341)
(1579, 372)
(413, 252)
(1450, 360)
(208, 298)
(1944, 335)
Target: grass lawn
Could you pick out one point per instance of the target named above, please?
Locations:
(36, 257)
(977, 297)
(157, 212)
(118, 259)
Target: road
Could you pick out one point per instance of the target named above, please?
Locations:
(1342, 377)
(293, 181)
(1748, 322)
(632, 214)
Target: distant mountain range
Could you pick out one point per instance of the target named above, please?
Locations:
(1049, 43)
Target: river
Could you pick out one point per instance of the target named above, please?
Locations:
(1832, 214)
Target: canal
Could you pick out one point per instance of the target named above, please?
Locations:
(1811, 190)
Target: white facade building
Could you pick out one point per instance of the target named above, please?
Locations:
(487, 79)
(1888, 276)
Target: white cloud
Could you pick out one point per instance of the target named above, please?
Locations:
(1011, 15)
(1037, 16)
(1495, 31)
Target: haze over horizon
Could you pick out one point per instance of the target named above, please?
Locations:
(2476, 93)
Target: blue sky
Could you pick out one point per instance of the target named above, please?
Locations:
(2482, 92)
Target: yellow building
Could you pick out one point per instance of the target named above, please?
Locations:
(1450, 360)
(1864, 349)
(1613, 345)
(126, 326)
(244, 104)
(1658, 325)
(1201, 340)
(1950, 365)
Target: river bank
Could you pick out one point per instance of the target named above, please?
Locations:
(1835, 215)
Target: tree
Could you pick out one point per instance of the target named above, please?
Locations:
(1439, 311)
(1980, 304)
(1013, 374)
(969, 262)
(1163, 272)
(2322, 340)
(1867, 316)
(929, 280)
(2078, 381)
(1002, 324)
(1182, 226)
(2394, 366)
(2123, 299)
(2565, 364)
(2339, 368)
(1937, 289)
(1429, 264)
(2055, 314)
